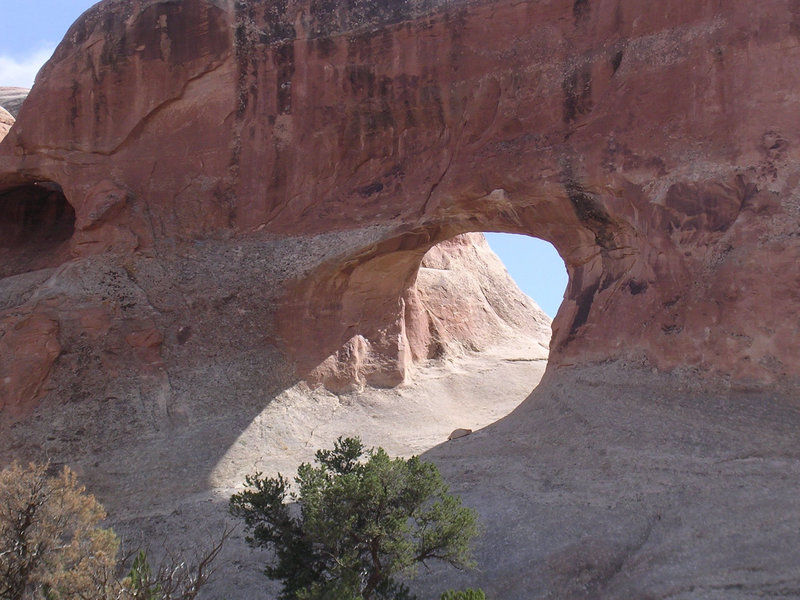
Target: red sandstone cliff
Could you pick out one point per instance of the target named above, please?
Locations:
(653, 144)
(201, 202)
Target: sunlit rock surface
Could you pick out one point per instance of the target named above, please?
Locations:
(204, 203)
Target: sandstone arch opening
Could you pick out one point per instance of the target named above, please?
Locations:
(36, 224)
(470, 301)
(426, 329)
(430, 294)
(479, 319)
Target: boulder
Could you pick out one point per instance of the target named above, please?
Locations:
(459, 433)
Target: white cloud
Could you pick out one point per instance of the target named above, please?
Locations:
(21, 72)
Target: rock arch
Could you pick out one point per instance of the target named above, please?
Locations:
(633, 138)
(255, 182)
(372, 319)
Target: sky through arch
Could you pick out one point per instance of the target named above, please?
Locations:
(535, 266)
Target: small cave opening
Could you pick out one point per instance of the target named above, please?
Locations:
(36, 225)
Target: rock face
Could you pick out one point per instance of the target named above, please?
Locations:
(462, 298)
(6, 121)
(11, 98)
(672, 204)
(204, 202)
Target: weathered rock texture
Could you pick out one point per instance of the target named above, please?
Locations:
(203, 201)
(462, 299)
(6, 121)
(653, 144)
(11, 98)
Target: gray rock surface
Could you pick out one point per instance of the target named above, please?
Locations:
(11, 98)
(612, 482)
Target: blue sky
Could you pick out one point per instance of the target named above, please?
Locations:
(29, 32)
(31, 29)
(535, 265)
